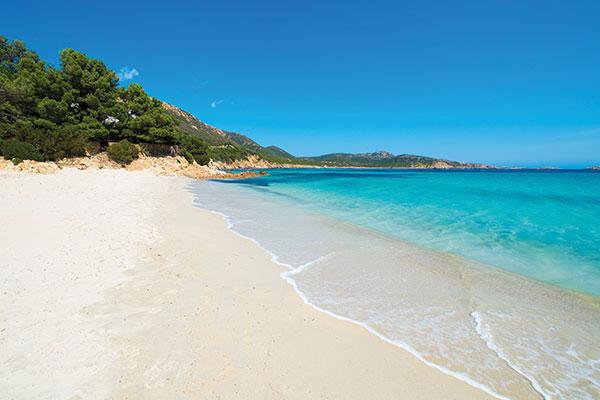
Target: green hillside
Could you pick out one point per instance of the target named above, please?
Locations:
(225, 145)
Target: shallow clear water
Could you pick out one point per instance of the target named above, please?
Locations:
(418, 257)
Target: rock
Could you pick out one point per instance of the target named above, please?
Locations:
(37, 167)
(97, 161)
(250, 162)
(167, 166)
(6, 165)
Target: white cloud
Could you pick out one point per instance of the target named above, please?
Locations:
(215, 103)
(126, 74)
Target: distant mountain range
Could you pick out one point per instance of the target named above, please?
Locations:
(385, 159)
(231, 149)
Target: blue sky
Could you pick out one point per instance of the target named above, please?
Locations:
(504, 82)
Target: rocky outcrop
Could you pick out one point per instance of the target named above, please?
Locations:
(179, 166)
(97, 161)
(250, 162)
(256, 162)
(164, 166)
(29, 166)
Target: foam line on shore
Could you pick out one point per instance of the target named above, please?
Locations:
(489, 342)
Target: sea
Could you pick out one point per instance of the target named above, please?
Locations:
(491, 276)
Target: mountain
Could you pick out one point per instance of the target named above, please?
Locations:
(278, 152)
(385, 159)
(227, 146)
(235, 150)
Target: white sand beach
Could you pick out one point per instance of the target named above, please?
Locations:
(113, 286)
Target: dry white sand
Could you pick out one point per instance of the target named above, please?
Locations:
(113, 286)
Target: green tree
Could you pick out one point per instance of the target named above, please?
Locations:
(10, 53)
(89, 86)
(142, 118)
(61, 111)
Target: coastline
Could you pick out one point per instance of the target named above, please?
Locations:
(287, 275)
(460, 315)
(142, 294)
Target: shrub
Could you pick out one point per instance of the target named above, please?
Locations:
(54, 142)
(93, 148)
(17, 151)
(202, 159)
(228, 153)
(187, 155)
(158, 149)
(194, 148)
(123, 152)
(66, 141)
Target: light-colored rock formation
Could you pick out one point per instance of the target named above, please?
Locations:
(97, 161)
(175, 166)
(250, 162)
(256, 162)
(29, 166)
(165, 166)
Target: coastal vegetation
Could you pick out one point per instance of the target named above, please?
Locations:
(13, 149)
(123, 152)
(79, 108)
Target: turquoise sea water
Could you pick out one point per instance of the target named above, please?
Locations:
(491, 276)
(542, 224)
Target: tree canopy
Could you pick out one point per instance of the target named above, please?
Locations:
(66, 111)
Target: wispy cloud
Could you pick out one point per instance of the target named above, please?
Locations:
(215, 103)
(206, 82)
(126, 73)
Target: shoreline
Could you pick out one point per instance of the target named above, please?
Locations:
(285, 275)
(478, 277)
(191, 308)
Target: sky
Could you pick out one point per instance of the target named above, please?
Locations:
(503, 82)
